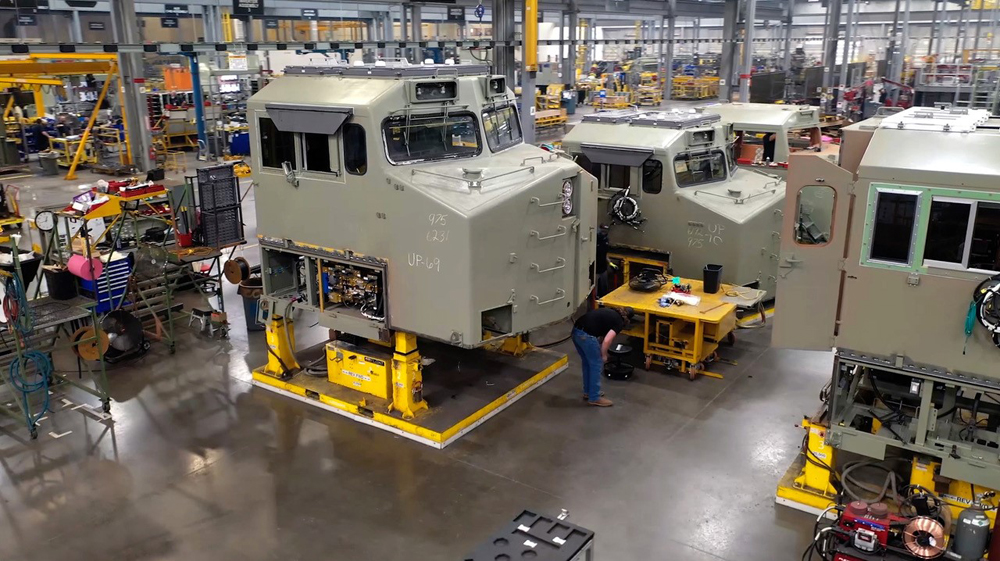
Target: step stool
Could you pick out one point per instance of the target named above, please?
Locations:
(204, 316)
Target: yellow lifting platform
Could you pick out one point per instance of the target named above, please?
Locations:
(384, 385)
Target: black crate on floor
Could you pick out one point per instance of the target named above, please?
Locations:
(219, 193)
(538, 537)
(222, 227)
(215, 173)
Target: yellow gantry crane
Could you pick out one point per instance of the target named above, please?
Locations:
(37, 70)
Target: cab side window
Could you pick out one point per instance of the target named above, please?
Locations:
(355, 149)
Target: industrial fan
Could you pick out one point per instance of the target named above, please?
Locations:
(125, 335)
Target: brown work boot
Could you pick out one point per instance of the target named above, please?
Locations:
(586, 397)
(602, 402)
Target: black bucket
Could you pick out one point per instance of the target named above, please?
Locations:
(712, 278)
(62, 283)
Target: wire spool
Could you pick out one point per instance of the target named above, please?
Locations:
(95, 346)
(924, 538)
(987, 303)
(236, 270)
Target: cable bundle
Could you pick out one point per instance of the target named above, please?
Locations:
(986, 300)
(21, 323)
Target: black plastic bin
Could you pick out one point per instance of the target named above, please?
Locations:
(62, 283)
(712, 278)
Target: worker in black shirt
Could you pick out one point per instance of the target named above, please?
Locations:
(592, 337)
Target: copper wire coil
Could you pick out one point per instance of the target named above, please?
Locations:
(924, 537)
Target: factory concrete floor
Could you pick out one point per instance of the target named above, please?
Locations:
(198, 465)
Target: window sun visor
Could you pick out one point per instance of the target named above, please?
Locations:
(317, 119)
(631, 157)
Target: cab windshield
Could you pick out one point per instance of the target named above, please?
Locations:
(502, 127)
(421, 138)
(697, 168)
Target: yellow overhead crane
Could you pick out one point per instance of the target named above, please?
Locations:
(32, 70)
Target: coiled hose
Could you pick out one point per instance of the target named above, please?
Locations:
(43, 371)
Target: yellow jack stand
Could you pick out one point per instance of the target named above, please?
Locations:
(806, 486)
(468, 386)
(281, 348)
(408, 383)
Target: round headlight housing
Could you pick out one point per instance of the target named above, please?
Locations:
(567, 197)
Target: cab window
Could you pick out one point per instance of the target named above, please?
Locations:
(699, 168)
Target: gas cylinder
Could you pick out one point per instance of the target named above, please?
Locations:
(972, 530)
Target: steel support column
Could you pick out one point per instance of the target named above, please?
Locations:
(979, 28)
(668, 75)
(696, 36)
(830, 54)
(787, 63)
(130, 68)
(844, 78)
(747, 68)
(77, 29)
(529, 60)
(574, 24)
(727, 60)
(503, 30)
(417, 31)
(959, 36)
(904, 46)
(933, 31)
(993, 22)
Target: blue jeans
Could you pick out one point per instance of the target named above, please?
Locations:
(593, 363)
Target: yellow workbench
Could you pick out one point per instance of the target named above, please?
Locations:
(680, 337)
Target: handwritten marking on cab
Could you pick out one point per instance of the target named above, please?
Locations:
(418, 261)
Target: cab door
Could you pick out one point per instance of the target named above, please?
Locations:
(814, 235)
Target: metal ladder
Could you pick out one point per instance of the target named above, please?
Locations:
(985, 92)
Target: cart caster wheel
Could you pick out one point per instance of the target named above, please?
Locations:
(694, 370)
(731, 338)
(34, 434)
(173, 349)
(649, 362)
(106, 407)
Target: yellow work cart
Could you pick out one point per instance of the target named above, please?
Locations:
(685, 337)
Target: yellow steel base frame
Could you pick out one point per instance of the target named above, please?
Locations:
(316, 395)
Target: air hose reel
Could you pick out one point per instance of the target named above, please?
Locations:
(986, 300)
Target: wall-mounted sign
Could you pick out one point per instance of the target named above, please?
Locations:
(310, 13)
(176, 9)
(97, 26)
(617, 5)
(248, 7)
(27, 20)
(169, 23)
(270, 23)
(456, 13)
